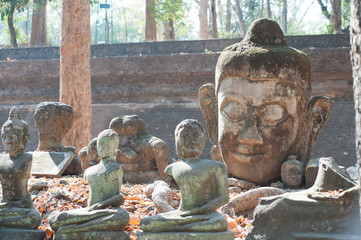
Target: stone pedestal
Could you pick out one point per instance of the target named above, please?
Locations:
(21, 234)
(326, 236)
(227, 235)
(95, 235)
(50, 164)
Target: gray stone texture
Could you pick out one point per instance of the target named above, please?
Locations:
(17, 211)
(21, 234)
(313, 211)
(227, 235)
(98, 235)
(162, 89)
(203, 186)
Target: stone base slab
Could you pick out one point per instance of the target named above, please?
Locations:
(50, 164)
(95, 235)
(227, 235)
(21, 234)
(327, 236)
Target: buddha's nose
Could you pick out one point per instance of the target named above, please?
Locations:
(251, 134)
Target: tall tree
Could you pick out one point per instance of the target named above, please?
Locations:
(150, 23)
(75, 87)
(203, 20)
(284, 16)
(170, 12)
(335, 17)
(38, 24)
(7, 10)
(242, 25)
(168, 33)
(228, 16)
(355, 38)
(269, 12)
(261, 11)
(214, 19)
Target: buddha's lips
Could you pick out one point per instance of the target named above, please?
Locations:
(248, 149)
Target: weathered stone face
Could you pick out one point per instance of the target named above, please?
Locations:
(190, 139)
(14, 133)
(264, 112)
(292, 173)
(107, 144)
(53, 120)
(257, 124)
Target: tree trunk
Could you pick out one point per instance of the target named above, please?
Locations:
(214, 19)
(261, 11)
(150, 24)
(284, 17)
(355, 38)
(336, 16)
(228, 18)
(242, 25)
(14, 44)
(75, 85)
(269, 13)
(203, 20)
(168, 30)
(38, 25)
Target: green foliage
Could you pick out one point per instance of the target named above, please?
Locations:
(169, 9)
(5, 6)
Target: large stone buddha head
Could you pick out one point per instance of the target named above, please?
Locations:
(261, 105)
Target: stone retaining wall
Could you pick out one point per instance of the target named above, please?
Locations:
(162, 89)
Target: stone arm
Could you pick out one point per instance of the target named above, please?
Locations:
(222, 194)
(115, 201)
(161, 155)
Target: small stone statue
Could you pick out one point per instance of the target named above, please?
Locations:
(259, 112)
(142, 156)
(292, 173)
(204, 188)
(54, 120)
(18, 215)
(103, 218)
(327, 210)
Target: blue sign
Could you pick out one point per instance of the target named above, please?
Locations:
(104, 5)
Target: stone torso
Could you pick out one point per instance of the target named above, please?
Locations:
(195, 180)
(14, 175)
(104, 180)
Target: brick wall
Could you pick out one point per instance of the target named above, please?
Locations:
(162, 89)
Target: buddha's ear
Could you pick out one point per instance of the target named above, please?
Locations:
(26, 139)
(208, 102)
(319, 109)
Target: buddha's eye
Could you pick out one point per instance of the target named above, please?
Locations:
(234, 111)
(273, 115)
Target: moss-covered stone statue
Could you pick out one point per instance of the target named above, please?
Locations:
(142, 156)
(204, 188)
(327, 210)
(103, 218)
(259, 111)
(18, 216)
